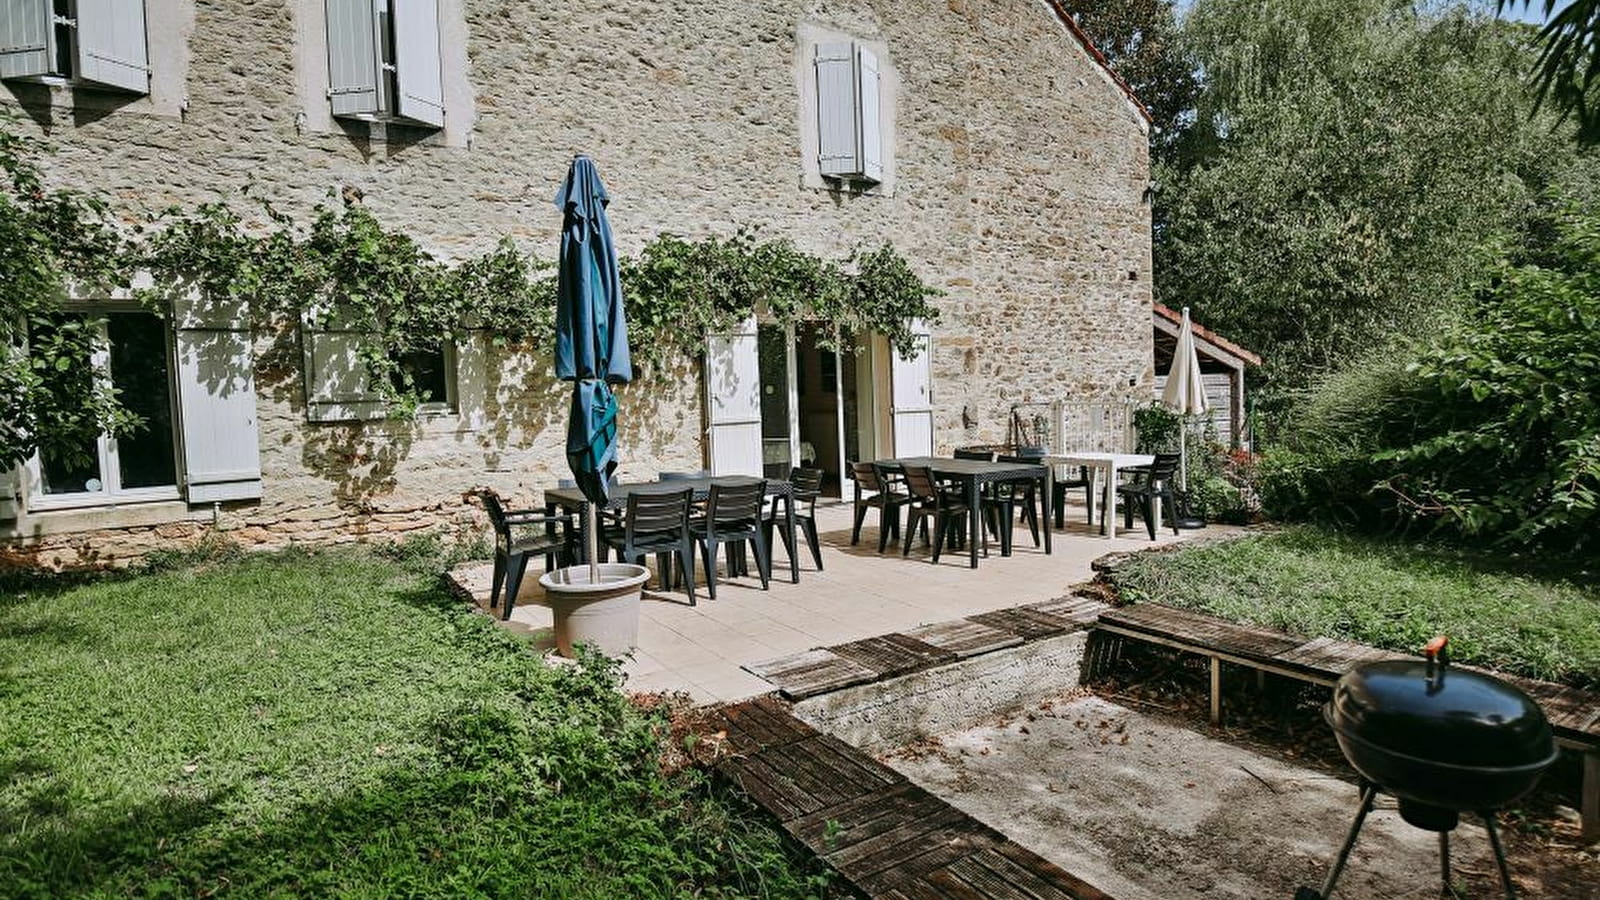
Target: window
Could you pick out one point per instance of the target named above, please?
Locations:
(849, 120)
(384, 61)
(191, 378)
(337, 381)
(141, 465)
(94, 43)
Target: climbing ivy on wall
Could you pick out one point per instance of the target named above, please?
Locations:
(344, 266)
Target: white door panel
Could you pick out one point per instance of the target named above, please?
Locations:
(733, 401)
(912, 389)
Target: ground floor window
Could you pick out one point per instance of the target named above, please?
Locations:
(142, 465)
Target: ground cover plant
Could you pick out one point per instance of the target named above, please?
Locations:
(334, 724)
(1516, 615)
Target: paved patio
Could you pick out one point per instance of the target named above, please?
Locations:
(701, 649)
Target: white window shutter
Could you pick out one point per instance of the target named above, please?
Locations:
(24, 38)
(733, 401)
(352, 57)
(912, 395)
(871, 129)
(111, 45)
(217, 402)
(838, 141)
(338, 388)
(418, 71)
(472, 380)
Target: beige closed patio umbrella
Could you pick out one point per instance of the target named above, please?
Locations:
(1184, 394)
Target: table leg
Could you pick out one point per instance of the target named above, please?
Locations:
(975, 517)
(788, 528)
(1109, 501)
(1045, 505)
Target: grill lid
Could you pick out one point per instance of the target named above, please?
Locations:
(1429, 711)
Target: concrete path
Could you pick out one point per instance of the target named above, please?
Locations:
(701, 649)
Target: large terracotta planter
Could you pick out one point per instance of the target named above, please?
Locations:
(604, 614)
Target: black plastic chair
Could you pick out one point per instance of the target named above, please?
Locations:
(1058, 496)
(885, 496)
(1149, 484)
(656, 522)
(733, 515)
(979, 455)
(932, 500)
(683, 476)
(511, 552)
(807, 488)
(1026, 495)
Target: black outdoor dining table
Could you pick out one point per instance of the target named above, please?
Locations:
(573, 499)
(972, 475)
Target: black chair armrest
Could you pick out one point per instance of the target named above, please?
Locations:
(538, 517)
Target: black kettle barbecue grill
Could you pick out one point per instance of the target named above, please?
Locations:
(1442, 745)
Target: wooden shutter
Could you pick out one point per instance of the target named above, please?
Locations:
(24, 38)
(416, 58)
(217, 402)
(868, 111)
(472, 381)
(352, 58)
(337, 382)
(111, 45)
(733, 401)
(838, 141)
(912, 389)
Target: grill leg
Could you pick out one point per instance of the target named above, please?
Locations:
(1369, 794)
(1499, 855)
(1445, 890)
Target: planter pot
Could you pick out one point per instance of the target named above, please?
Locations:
(604, 614)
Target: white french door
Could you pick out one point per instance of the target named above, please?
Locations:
(911, 387)
(733, 401)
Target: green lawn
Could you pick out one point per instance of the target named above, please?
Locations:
(1535, 618)
(334, 724)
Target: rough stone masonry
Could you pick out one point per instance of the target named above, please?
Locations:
(1019, 185)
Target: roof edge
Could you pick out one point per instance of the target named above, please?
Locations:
(1206, 334)
(1099, 58)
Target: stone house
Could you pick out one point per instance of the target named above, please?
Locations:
(984, 138)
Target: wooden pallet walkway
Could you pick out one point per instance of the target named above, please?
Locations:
(822, 670)
(886, 836)
(1574, 714)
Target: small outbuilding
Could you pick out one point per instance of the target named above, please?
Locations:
(1222, 366)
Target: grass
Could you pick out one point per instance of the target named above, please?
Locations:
(334, 724)
(1516, 615)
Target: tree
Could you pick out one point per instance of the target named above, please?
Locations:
(1355, 167)
(1140, 39)
(1569, 63)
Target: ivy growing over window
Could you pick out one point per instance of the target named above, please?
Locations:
(344, 266)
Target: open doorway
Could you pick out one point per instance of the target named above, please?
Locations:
(817, 380)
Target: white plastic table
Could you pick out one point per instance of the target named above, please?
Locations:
(1105, 467)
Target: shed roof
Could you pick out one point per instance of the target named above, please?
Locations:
(1207, 342)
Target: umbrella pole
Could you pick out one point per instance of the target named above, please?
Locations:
(1183, 453)
(592, 542)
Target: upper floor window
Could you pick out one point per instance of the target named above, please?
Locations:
(95, 43)
(849, 112)
(384, 61)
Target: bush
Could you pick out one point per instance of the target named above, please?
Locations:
(1492, 432)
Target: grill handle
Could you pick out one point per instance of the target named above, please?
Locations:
(1438, 653)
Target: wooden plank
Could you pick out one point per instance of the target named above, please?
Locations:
(849, 763)
(1073, 610)
(964, 638)
(775, 794)
(1201, 630)
(1021, 622)
(966, 878)
(1591, 796)
(893, 845)
(771, 718)
(917, 865)
(837, 827)
(811, 672)
(1042, 878)
(822, 786)
(893, 654)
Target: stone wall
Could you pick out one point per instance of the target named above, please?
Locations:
(1020, 179)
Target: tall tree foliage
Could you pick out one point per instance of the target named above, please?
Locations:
(1567, 73)
(1142, 42)
(1354, 167)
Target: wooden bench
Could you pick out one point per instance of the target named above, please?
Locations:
(1574, 714)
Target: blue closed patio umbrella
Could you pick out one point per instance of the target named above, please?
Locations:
(591, 337)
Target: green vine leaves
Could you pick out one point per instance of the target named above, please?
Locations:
(344, 268)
